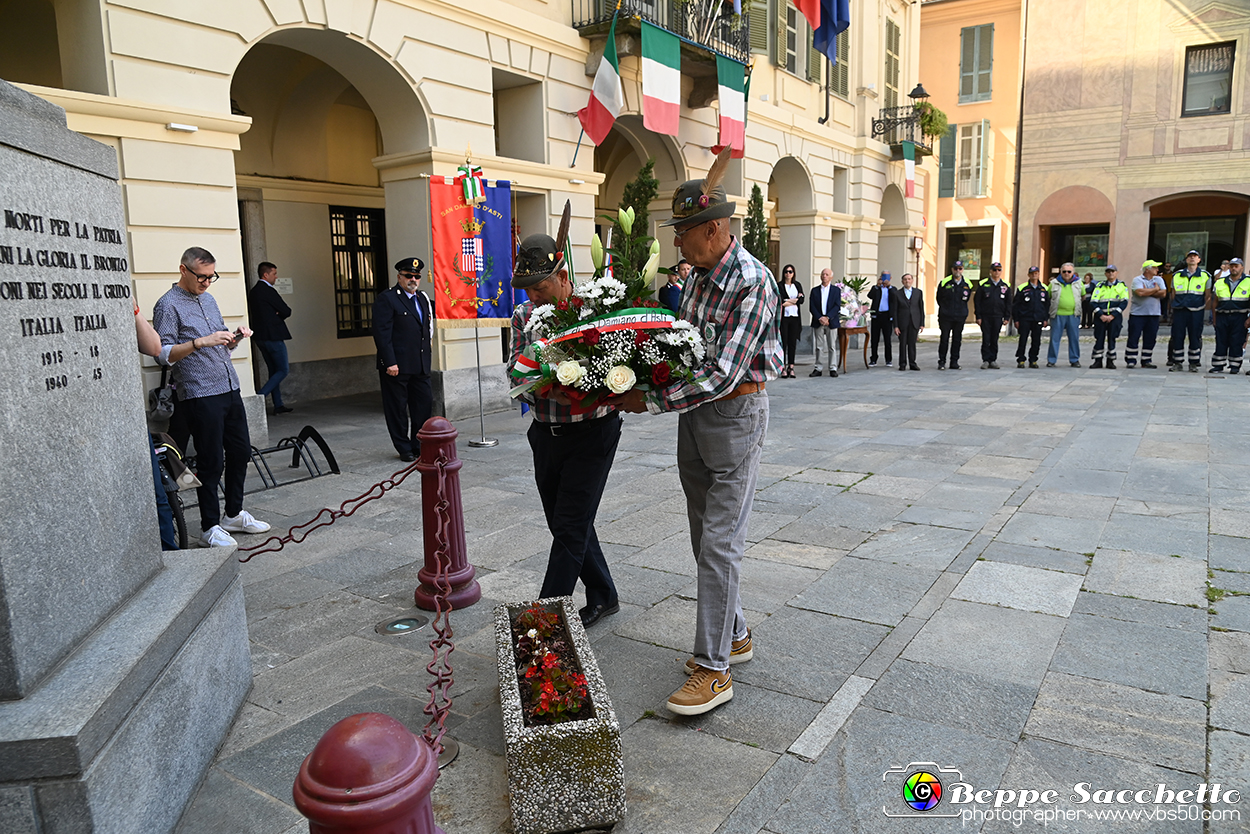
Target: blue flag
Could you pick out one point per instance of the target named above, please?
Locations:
(496, 216)
(835, 16)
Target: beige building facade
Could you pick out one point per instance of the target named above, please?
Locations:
(971, 66)
(303, 132)
(1139, 147)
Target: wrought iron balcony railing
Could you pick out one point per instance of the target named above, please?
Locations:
(901, 124)
(705, 24)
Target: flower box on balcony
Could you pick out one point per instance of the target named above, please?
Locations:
(565, 776)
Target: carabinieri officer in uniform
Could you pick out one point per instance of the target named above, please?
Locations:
(573, 453)
(403, 328)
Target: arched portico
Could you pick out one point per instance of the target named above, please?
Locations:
(790, 191)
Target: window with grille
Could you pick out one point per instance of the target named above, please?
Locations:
(358, 242)
(1208, 79)
(893, 48)
(976, 60)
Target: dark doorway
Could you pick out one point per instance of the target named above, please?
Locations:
(1085, 246)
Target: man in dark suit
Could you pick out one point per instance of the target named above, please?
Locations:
(403, 329)
(825, 305)
(882, 308)
(908, 303)
(267, 314)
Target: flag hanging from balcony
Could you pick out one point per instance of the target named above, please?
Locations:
(835, 16)
(606, 95)
(661, 80)
(731, 90)
(909, 165)
(472, 258)
(810, 9)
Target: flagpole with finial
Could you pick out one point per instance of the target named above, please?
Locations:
(612, 46)
(482, 441)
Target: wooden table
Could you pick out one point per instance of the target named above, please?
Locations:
(844, 338)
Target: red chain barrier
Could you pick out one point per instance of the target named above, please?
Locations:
(442, 645)
(300, 532)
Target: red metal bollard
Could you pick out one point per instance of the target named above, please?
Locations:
(440, 481)
(368, 775)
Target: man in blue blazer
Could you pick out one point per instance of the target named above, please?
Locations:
(403, 329)
(267, 314)
(825, 304)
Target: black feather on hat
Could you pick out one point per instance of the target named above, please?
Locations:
(539, 256)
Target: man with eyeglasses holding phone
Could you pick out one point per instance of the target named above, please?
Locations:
(196, 345)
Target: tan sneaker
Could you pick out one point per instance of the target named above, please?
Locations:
(705, 690)
(740, 651)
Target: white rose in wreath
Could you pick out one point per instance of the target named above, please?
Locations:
(620, 379)
(569, 372)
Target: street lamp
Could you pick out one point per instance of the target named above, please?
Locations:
(893, 118)
(919, 93)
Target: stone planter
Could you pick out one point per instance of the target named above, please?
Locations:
(562, 777)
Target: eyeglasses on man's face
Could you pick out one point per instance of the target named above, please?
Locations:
(203, 279)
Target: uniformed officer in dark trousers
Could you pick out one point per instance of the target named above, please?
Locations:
(993, 304)
(1232, 303)
(1030, 309)
(1189, 301)
(952, 303)
(403, 330)
(1110, 300)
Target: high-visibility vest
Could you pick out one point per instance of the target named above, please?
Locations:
(1232, 299)
(1190, 290)
(1110, 298)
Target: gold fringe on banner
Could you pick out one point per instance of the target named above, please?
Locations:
(480, 324)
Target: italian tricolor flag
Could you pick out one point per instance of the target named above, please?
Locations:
(606, 96)
(731, 89)
(661, 80)
(909, 166)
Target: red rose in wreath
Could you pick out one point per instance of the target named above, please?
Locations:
(660, 373)
(591, 336)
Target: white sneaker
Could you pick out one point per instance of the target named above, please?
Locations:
(243, 523)
(216, 537)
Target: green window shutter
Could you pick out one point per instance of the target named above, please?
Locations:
(815, 59)
(841, 80)
(893, 47)
(779, 38)
(946, 162)
(967, 62)
(983, 173)
(757, 22)
(985, 60)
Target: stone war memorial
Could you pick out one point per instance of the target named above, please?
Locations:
(121, 669)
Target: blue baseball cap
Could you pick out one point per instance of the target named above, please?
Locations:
(1111, 268)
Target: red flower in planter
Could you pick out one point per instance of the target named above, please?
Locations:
(549, 660)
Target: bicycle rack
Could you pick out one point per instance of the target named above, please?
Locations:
(300, 455)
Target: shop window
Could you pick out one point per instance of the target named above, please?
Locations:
(358, 242)
(1208, 79)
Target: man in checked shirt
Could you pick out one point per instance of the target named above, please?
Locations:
(573, 453)
(196, 344)
(732, 299)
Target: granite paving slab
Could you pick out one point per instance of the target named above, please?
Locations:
(845, 790)
(1163, 536)
(225, 803)
(1160, 578)
(1077, 535)
(1229, 651)
(783, 652)
(1024, 588)
(654, 750)
(1130, 610)
(1065, 505)
(1120, 720)
(917, 545)
(762, 718)
(1228, 553)
(792, 553)
(1149, 657)
(1230, 759)
(1230, 701)
(1040, 765)
(1081, 481)
(952, 698)
(866, 589)
(766, 797)
(999, 643)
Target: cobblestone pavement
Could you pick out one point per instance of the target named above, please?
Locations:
(1037, 577)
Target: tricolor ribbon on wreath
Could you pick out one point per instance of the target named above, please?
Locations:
(469, 177)
(531, 373)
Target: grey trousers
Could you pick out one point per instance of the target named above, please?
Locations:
(824, 341)
(718, 456)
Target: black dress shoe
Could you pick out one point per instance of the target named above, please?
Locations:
(407, 457)
(592, 614)
(283, 409)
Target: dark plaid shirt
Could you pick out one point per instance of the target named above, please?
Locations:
(545, 410)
